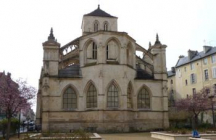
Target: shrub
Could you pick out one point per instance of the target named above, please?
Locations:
(14, 125)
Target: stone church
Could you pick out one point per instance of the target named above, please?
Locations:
(97, 82)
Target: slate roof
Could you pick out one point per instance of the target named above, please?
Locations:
(170, 73)
(72, 71)
(185, 60)
(142, 74)
(99, 13)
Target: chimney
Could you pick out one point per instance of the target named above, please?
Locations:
(9, 74)
(206, 48)
(173, 69)
(191, 54)
(181, 56)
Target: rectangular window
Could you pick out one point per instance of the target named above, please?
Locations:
(185, 69)
(179, 73)
(192, 66)
(208, 91)
(193, 78)
(214, 88)
(171, 81)
(214, 72)
(194, 91)
(186, 82)
(172, 91)
(205, 61)
(206, 74)
(213, 58)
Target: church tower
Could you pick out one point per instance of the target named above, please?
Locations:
(98, 20)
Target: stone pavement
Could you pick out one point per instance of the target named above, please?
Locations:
(128, 136)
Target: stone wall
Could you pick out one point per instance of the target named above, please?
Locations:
(106, 121)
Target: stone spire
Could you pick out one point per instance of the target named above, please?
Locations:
(51, 40)
(98, 6)
(157, 40)
(150, 44)
(51, 36)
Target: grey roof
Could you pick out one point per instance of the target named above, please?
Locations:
(170, 73)
(142, 74)
(72, 71)
(99, 13)
(199, 55)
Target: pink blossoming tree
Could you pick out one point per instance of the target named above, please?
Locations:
(195, 104)
(14, 97)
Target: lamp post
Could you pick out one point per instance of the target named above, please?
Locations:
(212, 108)
(19, 125)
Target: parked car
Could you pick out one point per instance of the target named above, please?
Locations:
(38, 127)
(31, 127)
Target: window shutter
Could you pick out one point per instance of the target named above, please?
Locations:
(214, 72)
(195, 78)
(191, 78)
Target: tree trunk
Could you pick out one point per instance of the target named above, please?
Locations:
(195, 121)
(8, 128)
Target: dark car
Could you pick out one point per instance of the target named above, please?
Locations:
(38, 128)
(31, 127)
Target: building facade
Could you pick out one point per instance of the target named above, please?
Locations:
(191, 74)
(97, 82)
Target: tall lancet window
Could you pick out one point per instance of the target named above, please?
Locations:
(96, 26)
(143, 99)
(69, 99)
(112, 96)
(105, 26)
(91, 99)
(94, 51)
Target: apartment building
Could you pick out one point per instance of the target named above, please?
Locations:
(192, 73)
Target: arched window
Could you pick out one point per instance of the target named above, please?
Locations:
(112, 96)
(112, 50)
(95, 26)
(107, 52)
(129, 55)
(129, 96)
(143, 99)
(94, 51)
(91, 50)
(105, 26)
(69, 99)
(91, 98)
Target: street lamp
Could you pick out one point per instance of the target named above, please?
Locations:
(212, 108)
(19, 125)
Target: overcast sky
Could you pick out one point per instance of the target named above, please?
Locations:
(25, 24)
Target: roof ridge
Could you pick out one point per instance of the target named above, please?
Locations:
(100, 13)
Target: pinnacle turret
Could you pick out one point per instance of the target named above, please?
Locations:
(150, 44)
(157, 40)
(51, 36)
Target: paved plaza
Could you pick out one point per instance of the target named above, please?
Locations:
(127, 136)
